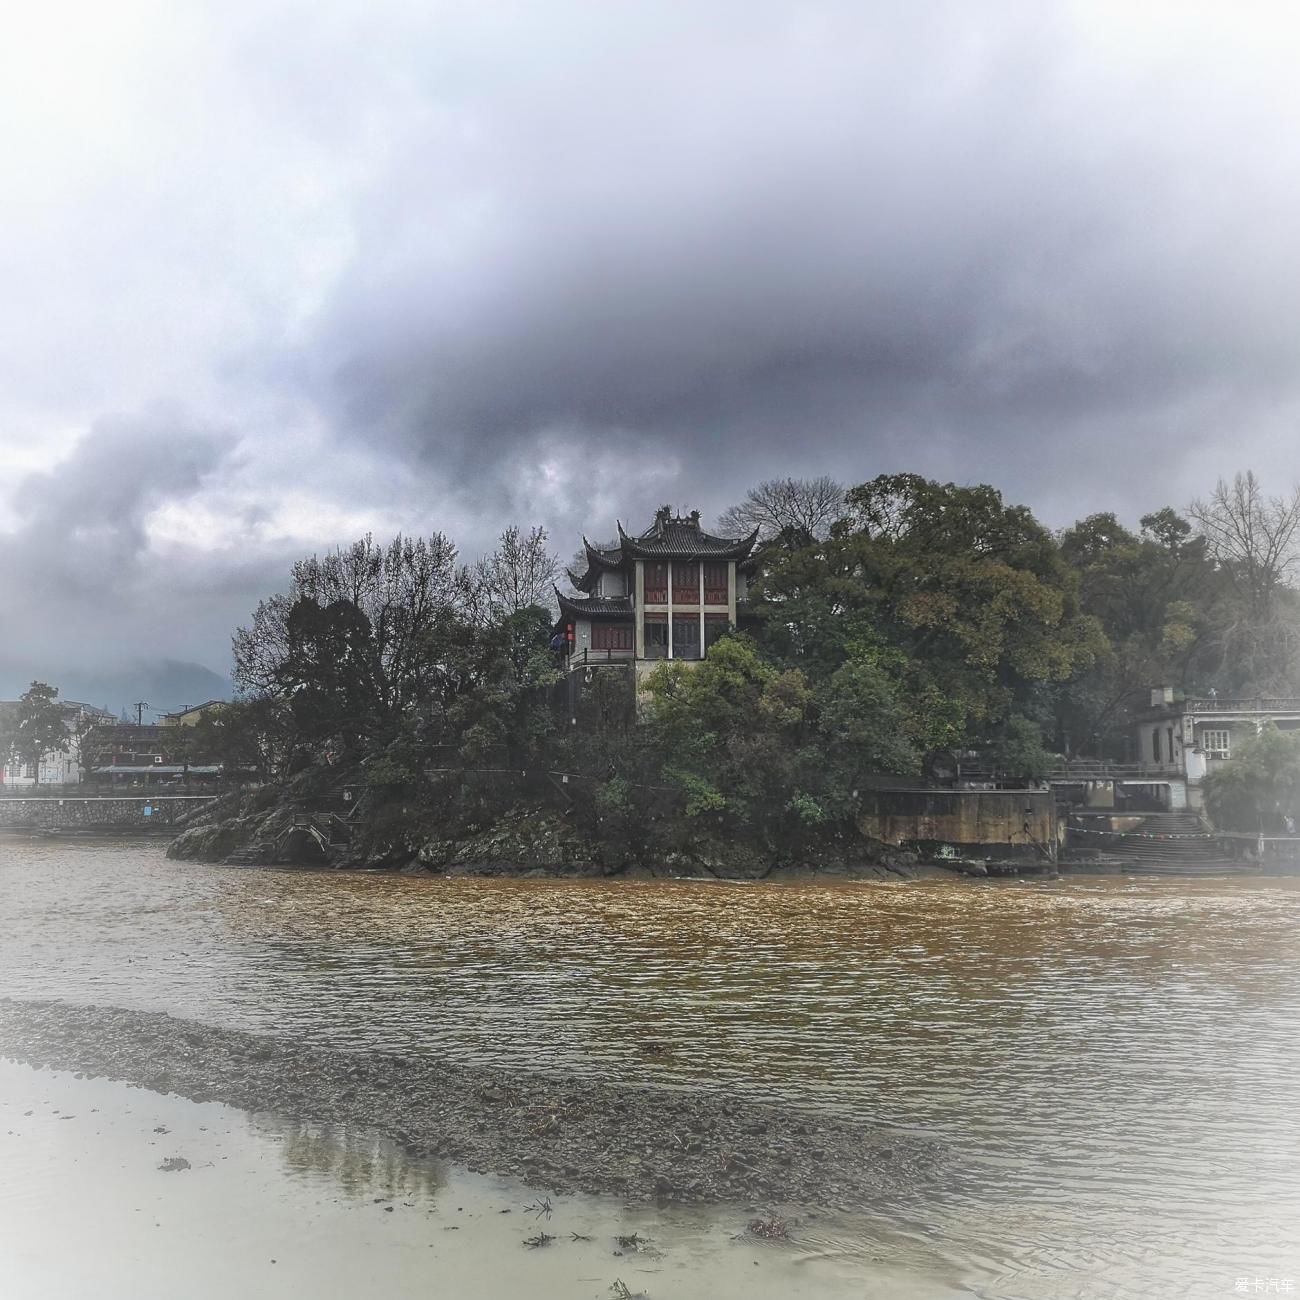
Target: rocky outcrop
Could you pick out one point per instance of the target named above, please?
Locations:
(257, 827)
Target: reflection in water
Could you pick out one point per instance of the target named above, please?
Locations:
(1112, 1059)
(242, 1221)
(363, 1164)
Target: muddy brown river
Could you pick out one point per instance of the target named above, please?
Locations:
(1112, 1062)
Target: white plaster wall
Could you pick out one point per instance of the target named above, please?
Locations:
(55, 768)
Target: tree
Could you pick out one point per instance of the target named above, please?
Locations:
(1256, 538)
(393, 611)
(39, 726)
(1018, 749)
(799, 508)
(331, 674)
(1259, 786)
(1155, 596)
(964, 601)
(248, 736)
(864, 727)
(732, 735)
(518, 574)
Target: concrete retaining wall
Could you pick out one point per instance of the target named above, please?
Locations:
(1006, 824)
(141, 811)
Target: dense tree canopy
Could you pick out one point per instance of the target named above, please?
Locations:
(964, 603)
(888, 624)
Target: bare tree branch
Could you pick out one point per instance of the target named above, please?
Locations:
(1253, 537)
(519, 573)
(804, 506)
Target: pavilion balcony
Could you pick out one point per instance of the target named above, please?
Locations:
(587, 657)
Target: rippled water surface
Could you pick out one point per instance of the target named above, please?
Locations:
(1113, 1060)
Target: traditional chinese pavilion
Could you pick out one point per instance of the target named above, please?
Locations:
(667, 593)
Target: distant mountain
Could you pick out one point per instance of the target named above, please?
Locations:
(164, 685)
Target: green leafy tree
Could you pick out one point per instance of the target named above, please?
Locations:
(1018, 750)
(732, 735)
(753, 748)
(249, 736)
(330, 673)
(1156, 595)
(965, 602)
(1259, 787)
(39, 726)
(863, 727)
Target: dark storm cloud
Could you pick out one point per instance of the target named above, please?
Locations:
(789, 238)
(83, 522)
(83, 581)
(456, 265)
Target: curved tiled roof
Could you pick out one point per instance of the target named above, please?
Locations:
(610, 559)
(676, 538)
(594, 606)
(598, 561)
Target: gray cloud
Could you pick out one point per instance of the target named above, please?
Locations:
(83, 521)
(829, 237)
(84, 582)
(450, 266)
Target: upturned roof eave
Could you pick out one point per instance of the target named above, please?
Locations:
(595, 606)
(722, 548)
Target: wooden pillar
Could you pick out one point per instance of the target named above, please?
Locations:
(700, 571)
(670, 609)
(638, 607)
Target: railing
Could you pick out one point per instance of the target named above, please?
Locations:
(588, 657)
(1090, 769)
(325, 828)
(583, 658)
(1257, 704)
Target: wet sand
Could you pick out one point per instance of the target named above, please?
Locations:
(273, 1207)
(567, 1135)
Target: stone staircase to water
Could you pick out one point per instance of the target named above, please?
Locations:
(251, 855)
(1175, 844)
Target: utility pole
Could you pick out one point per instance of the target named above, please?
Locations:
(139, 706)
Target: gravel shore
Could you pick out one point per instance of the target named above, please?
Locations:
(563, 1134)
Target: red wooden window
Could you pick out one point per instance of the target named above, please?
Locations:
(686, 636)
(656, 636)
(656, 582)
(612, 636)
(686, 583)
(714, 626)
(715, 584)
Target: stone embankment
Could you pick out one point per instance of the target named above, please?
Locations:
(621, 1137)
(140, 812)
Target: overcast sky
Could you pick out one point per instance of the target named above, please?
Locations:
(278, 273)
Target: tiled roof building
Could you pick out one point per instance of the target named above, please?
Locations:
(666, 593)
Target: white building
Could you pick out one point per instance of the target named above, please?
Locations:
(1184, 739)
(58, 767)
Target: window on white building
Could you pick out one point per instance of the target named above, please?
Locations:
(1217, 743)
